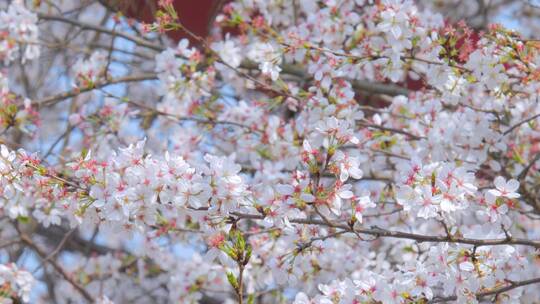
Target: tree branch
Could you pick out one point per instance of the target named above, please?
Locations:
(28, 241)
(52, 100)
(379, 232)
(496, 291)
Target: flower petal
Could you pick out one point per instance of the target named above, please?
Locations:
(500, 183)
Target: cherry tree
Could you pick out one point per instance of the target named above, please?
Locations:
(332, 151)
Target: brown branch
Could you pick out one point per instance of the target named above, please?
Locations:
(212, 122)
(43, 255)
(367, 86)
(379, 232)
(101, 29)
(526, 120)
(52, 100)
(379, 88)
(525, 170)
(393, 130)
(496, 291)
(74, 243)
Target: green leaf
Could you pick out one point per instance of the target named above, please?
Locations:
(232, 280)
(229, 251)
(23, 219)
(264, 153)
(241, 242)
(11, 109)
(248, 254)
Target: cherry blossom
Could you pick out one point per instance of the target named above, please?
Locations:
(19, 33)
(16, 282)
(90, 70)
(268, 58)
(505, 188)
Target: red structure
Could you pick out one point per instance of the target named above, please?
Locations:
(196, 15)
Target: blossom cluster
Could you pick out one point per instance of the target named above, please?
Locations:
(89, 71)
(448, 268)
(130, 188)
(18, 33)
(16, 111)
(15, 284)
